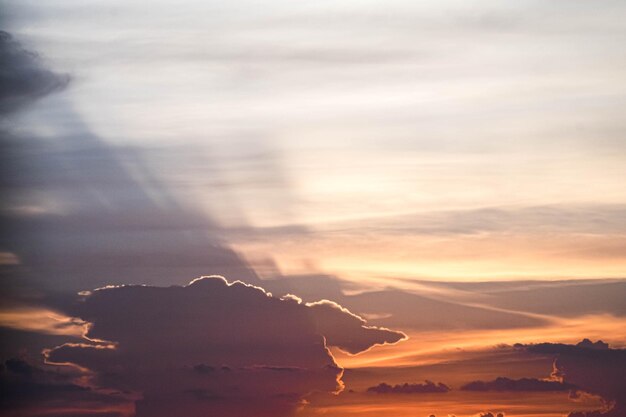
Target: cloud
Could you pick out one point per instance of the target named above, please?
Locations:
(79, 212)
(27, 390)
(594, 368)
(416, 311)
(348, 331)
(573, 218)
(564, 298)
(426, 388)
(214, 347)
(23, 79)
(524, 384)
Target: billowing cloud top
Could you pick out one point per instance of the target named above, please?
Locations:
(214, 346)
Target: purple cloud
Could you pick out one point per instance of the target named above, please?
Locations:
(214, 347)
(427, 387)
(592, 367)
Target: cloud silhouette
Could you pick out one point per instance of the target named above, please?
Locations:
(425, 388)
(27, 390)
(592, 367)
(348, 331)
(214, 347)
(523, 384)
(23, 78)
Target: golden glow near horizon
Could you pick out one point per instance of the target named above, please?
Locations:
(382, 259)
(451, 404)
(438, 346)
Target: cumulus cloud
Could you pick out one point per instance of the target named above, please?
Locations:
(348, 331)
(594, 368)
(523, 384)
(214, 347)
(425, 388)
(23, 78)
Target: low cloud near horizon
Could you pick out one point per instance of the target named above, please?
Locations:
(427, 387)
(214, 347)
(594, 368)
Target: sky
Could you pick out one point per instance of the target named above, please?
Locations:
(431, 192)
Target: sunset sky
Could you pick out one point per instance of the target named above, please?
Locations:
(424, 204)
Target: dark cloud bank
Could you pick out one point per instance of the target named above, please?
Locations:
(29, 390)
(584, 368)
(428, 387)
(23, 77)
(214, 348)
(594, 368)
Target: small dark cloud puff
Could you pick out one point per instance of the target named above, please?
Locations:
(594, 368)
(23, 78)
(520, 385)
(214, 348)
(491, 415)
(424, 388)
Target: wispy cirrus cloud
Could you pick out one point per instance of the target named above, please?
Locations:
(504, 384)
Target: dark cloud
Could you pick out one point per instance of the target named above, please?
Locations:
(213, 347)
(491, 415)
(26, 390)
(78, 213)
(111, 229)
(397, 308)
(463, 308)
(28, 344)
(425, 388)
(23, 78)
(348, 331)
(594, 368)
(523, 384)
